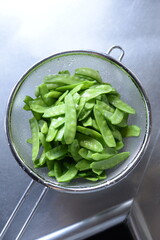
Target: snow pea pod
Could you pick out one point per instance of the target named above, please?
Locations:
(116, 133)
(118, 103)
(87, 122)
(57, 152)
(89, 143)
(51, 173)
(124, 121)
(76, 86)
(84, 154)
(57, 169)
(104, 129)
(46, 145)
(105, 106)
(101, 156)
(74, 149)
(54, 111)
(69, 175)
(38, 108)
(43, 92)
(131, 131)
(117, 116)
(95, 92)
(76, 98)
(90, 132)
(60, 99)
(119, 145)
(83, 165)
(43, 126)
(41, 161)
(35, 137)
(81, 105)
(52, 94)
(110, 162)
(70, 119)
(62, 79)
(59, 135)
(88, 72)
(84, 114)
(52, 131)
(57, 122)
(90, 104)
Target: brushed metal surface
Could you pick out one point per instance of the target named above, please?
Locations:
(33, 30)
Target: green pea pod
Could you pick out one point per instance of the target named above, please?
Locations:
(51, 173)
(59, 135)
(62, 79)
(41, 160)
(54, 111)
(102, 176)
(101, 156)
(90, 104)
(46, 145)
(57, 152)
(84, 154)
(87, 122)
(93, 179)
(131, 131)
(76, 98)
(117, 116)
(97, 171)
(28, 100)
(37, 108)
(110, 162)
(124, 121)
(119, 145)
(83, 165)
(57, 122)
(58, 170)
(107, 115)
(69, 175)
(89, 143)
(52, 131)
(70, 119)
(105, 106)
(88, 72)
(75, 150)
(43, 126)
(61, 98)
(95, 92)
(52, 86)
(118, 103)
(104, 129)
(35, 137)
(116, 133)
(43, 91)
(91, 133)
(81, 105)
(84, 114)
(64, 72)
(94, 125)
(76, 87)
(52, 94)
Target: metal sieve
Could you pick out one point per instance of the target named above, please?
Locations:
(112, 71)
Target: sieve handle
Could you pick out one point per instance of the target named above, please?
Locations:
(117, 47)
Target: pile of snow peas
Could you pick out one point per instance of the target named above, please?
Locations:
(78, 126)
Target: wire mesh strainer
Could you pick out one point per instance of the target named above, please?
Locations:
(112, 71)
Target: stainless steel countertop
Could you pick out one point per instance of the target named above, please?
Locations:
(33, 30)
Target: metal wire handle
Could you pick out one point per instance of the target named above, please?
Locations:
(117, 47)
